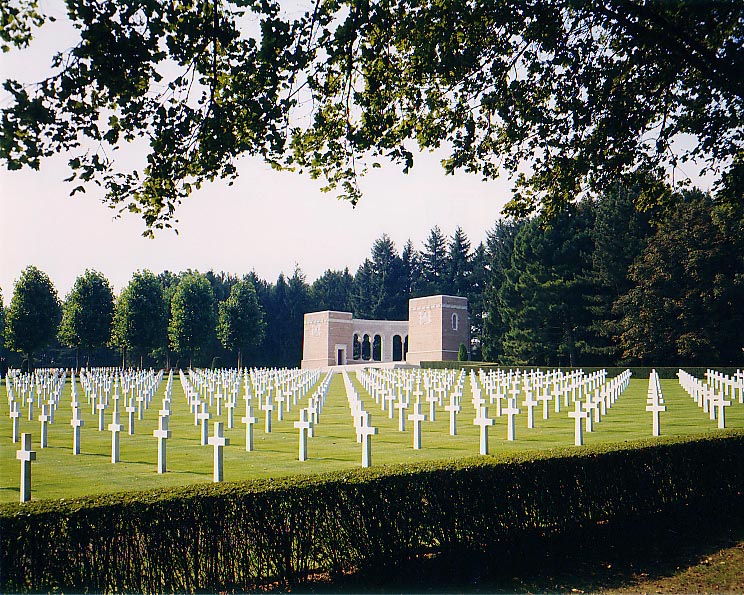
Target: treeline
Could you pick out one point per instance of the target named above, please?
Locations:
(599, 284)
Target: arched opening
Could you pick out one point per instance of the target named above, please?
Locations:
(356, 347)
(377, 349)
(366, 348)
(405, 347)
(455, 321)
(397, 348)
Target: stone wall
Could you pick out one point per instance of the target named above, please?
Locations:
(435, 328)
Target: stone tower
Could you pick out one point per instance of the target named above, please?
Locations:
(437, 325)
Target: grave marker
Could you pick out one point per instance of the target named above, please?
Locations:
(162, 434)
(115, 427)
(25, 455)
(76, 423)
(218, 441)
(417, 417)
(578, 415)
(483, 421)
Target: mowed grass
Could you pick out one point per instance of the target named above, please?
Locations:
(56, 473)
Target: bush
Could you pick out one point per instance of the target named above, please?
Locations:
(245, 536)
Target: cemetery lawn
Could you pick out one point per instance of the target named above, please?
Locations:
(56, 473)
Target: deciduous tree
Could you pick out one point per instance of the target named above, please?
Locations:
(32, 319)
(87, 313)
(241, 324)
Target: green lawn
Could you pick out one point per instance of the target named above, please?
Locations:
(58, 474)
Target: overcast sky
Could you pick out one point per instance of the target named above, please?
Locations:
(267, 221)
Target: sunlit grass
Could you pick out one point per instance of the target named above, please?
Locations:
(59, 474)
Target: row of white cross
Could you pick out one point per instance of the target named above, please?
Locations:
(709, 396)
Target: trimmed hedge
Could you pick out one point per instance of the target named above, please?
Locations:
(244, 536)
(638, 371)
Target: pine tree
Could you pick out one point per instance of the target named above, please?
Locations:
(459, 266)
(434, 263)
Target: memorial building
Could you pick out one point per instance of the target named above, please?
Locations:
(436, 327)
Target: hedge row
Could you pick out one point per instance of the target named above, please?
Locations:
(244, 536)
(638, 371)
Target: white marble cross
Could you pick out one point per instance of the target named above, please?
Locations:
(483, 421)
(115, 427)
(721, 403)
(303, 425)
(101, 407)
(511, 411)
(530, 403)
(578, 415)
(204, 417)
(453, 408)
(25, 455)
(268, 408)
(417, 417)
(15, 415)
(218, 441)
(130, 409)
(162, 434)
(401, 406)
(44, 419)
(655, 409)
(248, 420)
(366, 431)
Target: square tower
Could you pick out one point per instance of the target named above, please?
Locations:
(437, 326)
(327, 339)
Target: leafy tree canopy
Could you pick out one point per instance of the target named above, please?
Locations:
(33, 315)
(87, 312)
(240, 325)
(140, 318)
(563, 96)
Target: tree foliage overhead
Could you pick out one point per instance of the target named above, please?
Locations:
(562, 96)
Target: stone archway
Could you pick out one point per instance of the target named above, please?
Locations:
(397, 348)
(366, 348)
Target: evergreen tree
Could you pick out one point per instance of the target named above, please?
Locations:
(87, 314)
(388, 282)
(298, 304)
(542, 297)
(411, 270)
(498, 259)
(459, 266)
(32, 319)
(434, 263)
(332, 291)
(476, 299)
(619, 235)
(364, 293)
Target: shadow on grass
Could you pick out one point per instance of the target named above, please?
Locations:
(589, 559)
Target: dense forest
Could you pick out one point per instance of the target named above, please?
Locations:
(601, 283)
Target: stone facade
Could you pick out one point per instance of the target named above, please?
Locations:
(437, 325)
(435, 328)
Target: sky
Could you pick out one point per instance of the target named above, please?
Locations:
(267, 221)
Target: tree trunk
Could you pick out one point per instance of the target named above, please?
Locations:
(123, 357)
(140, 361)
(240, 360)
